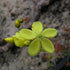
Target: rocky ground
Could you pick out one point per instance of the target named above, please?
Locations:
(55, 15)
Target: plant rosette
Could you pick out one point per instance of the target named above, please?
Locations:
(39, 37)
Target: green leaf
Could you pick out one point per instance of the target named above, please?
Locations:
(47, 45)
(50, 32)
(19, 36)
(19, 42)
(34, 47)
(27, 42)
(37, 27)
(9, 40)
(28, 34)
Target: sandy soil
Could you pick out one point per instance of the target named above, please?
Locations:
(57, 15)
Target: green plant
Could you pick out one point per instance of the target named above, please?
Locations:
(17, 41)
(18, 22)
(38, 36)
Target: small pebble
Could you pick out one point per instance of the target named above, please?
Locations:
(31, 68)
(14, 15)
